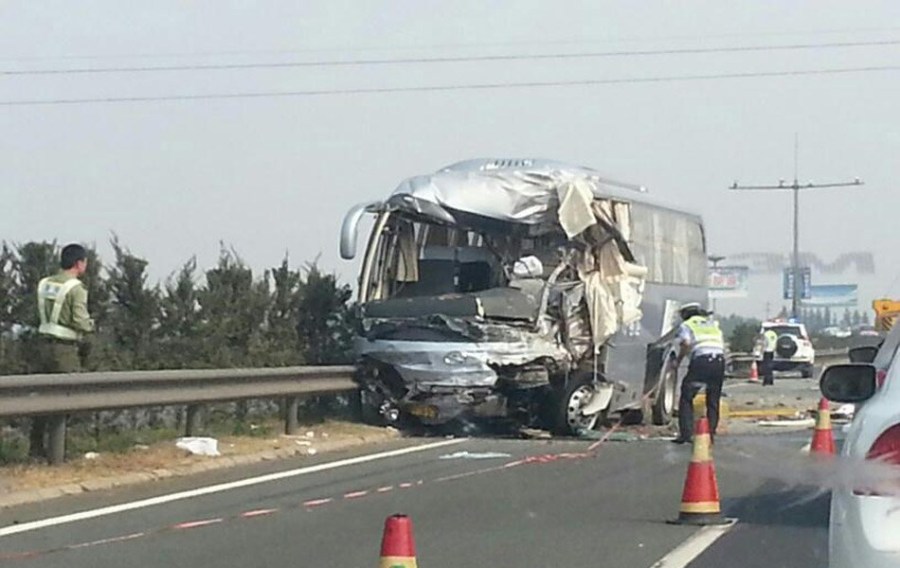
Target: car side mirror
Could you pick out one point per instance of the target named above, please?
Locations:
(865, 354)
(853, 382)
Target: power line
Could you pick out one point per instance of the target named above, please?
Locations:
(457, 45)
(460, 87)
(455, 59)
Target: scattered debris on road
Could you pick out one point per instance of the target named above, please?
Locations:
(198, 446)
(474, 455)
(795, 423)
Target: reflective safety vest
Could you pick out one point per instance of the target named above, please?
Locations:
(50, 291)
(771, 338)
(707, 334)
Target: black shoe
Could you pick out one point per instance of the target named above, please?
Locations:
(680, 440)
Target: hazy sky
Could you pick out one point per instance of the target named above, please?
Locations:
(275, 174)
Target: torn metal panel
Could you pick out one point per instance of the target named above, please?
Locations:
(522, 193)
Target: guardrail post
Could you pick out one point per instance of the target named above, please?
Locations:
(192, 420)
(291, 410)
(56, 453)
(36, 447)
(356, 405)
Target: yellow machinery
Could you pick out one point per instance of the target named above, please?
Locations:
(886, 313)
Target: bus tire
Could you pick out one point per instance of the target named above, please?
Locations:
(666, 399)
(569, 422)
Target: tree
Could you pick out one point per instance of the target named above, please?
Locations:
(865, 319)
(846, 320)
(179, 323)
(814, 324)
(7, 288)
(281, 332)
(829, 317)
(97, 288)
(232, 310)
(744, 336)
(134, 316)
(326, 321)
(10, 361)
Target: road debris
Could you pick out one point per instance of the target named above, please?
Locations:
(610, 436)
(796, 423)
(535, 434)
(199, 446)
(474, 455)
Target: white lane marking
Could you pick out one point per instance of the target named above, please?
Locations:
(197, 524)
(355, 494)
(687, 551)
(258, 513)
(112, 509)
(317, 502)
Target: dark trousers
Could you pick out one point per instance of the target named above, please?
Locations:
(708, 372)
(55, 357)
(768, 368)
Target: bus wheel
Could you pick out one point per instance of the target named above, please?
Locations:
(576, 395)
(666, 396)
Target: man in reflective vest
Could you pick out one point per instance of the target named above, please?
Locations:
(770, 338)
(699, 338)
(62, 308)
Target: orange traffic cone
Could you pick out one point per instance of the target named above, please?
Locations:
(700, 499)
(754, 373)
(398, 549)
(823, 439)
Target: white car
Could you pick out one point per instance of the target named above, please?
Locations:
(839, 332)
(793, 350)
(865, 521)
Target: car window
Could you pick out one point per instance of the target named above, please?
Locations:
(794, 330)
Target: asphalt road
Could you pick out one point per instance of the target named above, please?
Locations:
(545, 504)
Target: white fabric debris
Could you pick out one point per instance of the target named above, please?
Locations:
(199, 446)
(575, 214)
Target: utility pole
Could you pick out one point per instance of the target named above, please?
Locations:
(796, 187)
(715, 260)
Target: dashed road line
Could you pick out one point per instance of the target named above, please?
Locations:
(247, 482)
(309, 504)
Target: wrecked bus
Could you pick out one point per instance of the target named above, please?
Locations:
(528, 290)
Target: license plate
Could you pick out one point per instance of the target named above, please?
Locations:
(423, 410)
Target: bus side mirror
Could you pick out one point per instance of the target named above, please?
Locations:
(350, 227)
(853, 382)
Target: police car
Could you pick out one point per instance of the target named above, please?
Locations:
(793, 349)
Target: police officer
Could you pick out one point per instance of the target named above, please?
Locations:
(62, 308)
(700, 339)
(770, 338)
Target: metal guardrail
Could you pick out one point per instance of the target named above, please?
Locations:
(54, 396)
(739, 362)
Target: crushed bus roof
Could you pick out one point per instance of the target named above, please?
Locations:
(521, 191)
